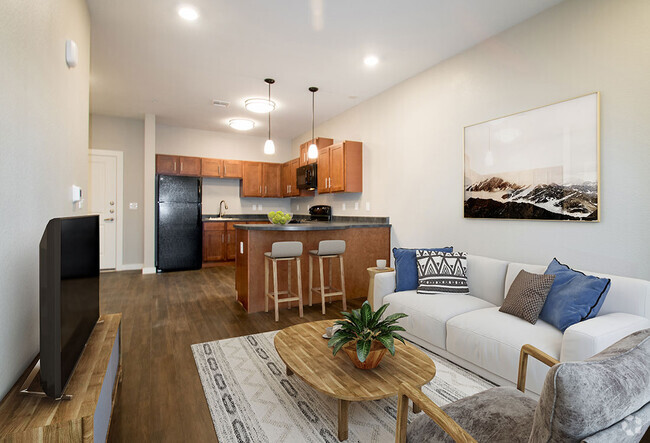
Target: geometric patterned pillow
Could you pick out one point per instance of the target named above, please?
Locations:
(441, 272)
(527, 295)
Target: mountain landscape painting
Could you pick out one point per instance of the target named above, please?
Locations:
(541, 164)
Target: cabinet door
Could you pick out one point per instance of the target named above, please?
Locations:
(293, 189)
(303, 160)
(323, 170)
(252, 179)
(190, 166)
(231, 244)
(286, 179)
(213, 241)
(337, 168)
(167, 164)
(271, 180)
(211, 167)
(232, 169)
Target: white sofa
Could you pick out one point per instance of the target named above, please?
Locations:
(470, 331)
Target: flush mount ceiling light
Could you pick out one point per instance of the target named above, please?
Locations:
(188, 13)
(269, 146)
(259, 105)
(371, 60)
(241, 124)
(312, 151)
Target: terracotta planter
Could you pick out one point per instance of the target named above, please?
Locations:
(377, 351)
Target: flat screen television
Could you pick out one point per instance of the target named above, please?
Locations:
(69, 296)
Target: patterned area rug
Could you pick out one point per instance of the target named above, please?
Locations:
(252, 400)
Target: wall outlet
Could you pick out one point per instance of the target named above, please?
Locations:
(367, 206)
(133, 205)
(259, 206)
(356, 206)
(297, 207)
(343, 207)
(254, 207)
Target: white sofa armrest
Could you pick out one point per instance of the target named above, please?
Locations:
(384, 285)
(589, 337)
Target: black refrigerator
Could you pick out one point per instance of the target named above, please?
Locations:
(178, 223)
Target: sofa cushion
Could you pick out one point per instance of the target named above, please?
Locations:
(485, 277)
(495, 415)
(492, 340)
(441, 272)
(406, 272)
(428, 314)
(527, 295)
(582, 398)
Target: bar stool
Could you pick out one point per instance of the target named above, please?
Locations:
(282, 251)
(327, 249)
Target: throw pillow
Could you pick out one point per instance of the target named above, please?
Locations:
(442, 272)
(574, 296)
(406, 271)
(527, 295)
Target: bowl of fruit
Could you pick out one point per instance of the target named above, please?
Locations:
(279, 217)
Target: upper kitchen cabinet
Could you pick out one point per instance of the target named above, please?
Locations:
(340, 168)
(289, 188)
(321, 142)
(178, 165)
(251, 185)
(212, 167)
(272, 180)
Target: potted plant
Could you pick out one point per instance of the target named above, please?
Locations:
(364, 337)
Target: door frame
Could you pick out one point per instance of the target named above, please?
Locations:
(119, 259)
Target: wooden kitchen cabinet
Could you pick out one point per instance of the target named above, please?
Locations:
(252, 179)
(340, 168)
(321, 142)
(190, 166)
(286, 179)
(167, 164)
(231, 243)
(232, 169)
(211, 167)
(271, 180)
(178, 165)
(214, 241)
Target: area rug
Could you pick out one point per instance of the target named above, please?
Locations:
(252, 400)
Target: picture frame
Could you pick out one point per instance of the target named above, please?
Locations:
(539, 164)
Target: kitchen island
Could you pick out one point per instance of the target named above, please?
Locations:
(366, 241)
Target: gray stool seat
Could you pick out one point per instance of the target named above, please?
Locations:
(282, 251)
(327, 249)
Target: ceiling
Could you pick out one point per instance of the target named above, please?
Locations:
(146, 59)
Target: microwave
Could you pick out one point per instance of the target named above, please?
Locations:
(306, 177)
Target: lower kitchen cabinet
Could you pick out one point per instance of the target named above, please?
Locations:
(214, 241)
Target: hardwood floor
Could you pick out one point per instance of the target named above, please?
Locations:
(161, 397)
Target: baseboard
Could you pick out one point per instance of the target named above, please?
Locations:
(130, 267)
(148, 270)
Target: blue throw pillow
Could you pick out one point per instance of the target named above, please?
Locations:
(573, 297)
(406, 270)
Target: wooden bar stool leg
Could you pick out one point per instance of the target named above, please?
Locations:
(329, 267)
(311, 272)
(289, 283)
(322, 283)
(343, 282)
(275, 289)
(299, 286)
(266, 284)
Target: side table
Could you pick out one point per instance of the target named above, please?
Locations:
(371, 285)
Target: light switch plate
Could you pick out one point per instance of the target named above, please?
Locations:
(254, 207)
(367, 206)
(241, 247)
(356, 206)
(343, 207)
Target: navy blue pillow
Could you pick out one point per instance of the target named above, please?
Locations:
(573, 297)
(406, 270)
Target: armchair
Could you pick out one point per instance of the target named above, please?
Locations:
(604, 398)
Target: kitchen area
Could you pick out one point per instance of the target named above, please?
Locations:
(193, 231)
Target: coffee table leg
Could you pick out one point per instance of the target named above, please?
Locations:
(416, 408)
(289, 371)
(343, 419)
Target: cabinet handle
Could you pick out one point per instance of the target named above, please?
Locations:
(228, 237)
(181, 165)
(266, 189)
(221, 238)
(218, 170)
(109, 219)
(224, 169)
(174, 165)
(260, 190)
(289, 188)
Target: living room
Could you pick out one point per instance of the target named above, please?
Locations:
(412, 125)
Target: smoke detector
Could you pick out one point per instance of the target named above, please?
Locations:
(220, 103)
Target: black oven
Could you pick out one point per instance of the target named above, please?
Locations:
(306, 177)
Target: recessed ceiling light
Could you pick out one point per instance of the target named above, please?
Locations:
(188, 13)
(241, 124)
(371, 60)
(259, 105)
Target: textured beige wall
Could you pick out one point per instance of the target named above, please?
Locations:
(44, 146)
(412, 134)
(126, 135)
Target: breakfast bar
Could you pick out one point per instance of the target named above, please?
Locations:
(366, 242)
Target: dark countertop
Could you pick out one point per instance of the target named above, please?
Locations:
(314, 226)
(234, 217)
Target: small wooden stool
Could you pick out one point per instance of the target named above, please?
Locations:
(282, 251)
(327, 249)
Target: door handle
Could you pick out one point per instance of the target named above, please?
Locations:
(109, 219)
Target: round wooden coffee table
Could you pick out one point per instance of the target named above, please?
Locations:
(305, 353)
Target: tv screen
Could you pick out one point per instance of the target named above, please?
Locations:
(69, 296)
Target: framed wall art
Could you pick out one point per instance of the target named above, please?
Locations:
(541, 164)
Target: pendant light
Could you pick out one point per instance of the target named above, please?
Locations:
(269, 146)
(312, 151)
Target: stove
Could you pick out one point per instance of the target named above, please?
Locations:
(317, 213)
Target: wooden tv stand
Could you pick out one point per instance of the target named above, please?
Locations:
(93, 386)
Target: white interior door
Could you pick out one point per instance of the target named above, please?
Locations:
(103, 201)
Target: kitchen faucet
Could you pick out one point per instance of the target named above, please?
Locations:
(222, 213)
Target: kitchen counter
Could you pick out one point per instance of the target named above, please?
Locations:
(314, 226)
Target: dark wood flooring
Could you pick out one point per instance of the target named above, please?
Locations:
(161, 397)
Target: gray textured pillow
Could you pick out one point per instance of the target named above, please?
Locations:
(527, 295)
(582, 398)
(441, 272)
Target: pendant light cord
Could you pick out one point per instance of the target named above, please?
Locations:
(313, 95)
(269, 112)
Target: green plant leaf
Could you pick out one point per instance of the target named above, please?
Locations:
(336, 343)
(377, 315)
(395, 328)
(363, 349)
(391, 319)
(388, 342)
(398, 337)
(366, 314)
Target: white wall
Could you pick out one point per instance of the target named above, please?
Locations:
(44, 146)
(126, 135)
(412, 134)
